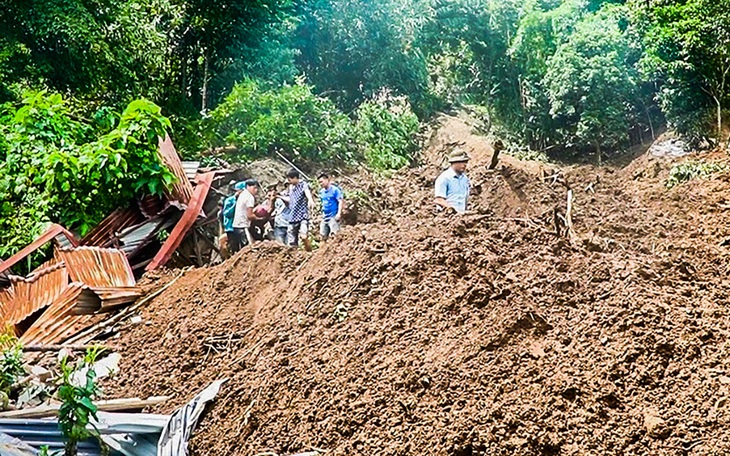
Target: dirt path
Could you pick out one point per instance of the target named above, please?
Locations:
(484, 334)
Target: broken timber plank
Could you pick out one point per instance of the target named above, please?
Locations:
(113, 405)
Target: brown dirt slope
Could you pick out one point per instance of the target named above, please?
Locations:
(484, 334)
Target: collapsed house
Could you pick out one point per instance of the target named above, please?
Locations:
(85, 278)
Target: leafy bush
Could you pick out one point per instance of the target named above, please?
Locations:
(11, 360)
(386, 130)
(688, 170)
(77, 408)
(58, 167)
(290, 118)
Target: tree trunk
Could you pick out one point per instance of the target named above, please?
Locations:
(719, 119)
(204, 91)
(598, 153)
(651, 125)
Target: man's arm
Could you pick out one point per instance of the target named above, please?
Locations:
(251, 215)
(440, 193)
(308, 193)
(340, 204)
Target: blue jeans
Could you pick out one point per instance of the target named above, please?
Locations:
(280, 233)
(328, 227)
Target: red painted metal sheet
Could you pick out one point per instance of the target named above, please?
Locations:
(104, 234)
(34, 293)
(182, 190)
(59, 322)
(53, 231)
(186, 222)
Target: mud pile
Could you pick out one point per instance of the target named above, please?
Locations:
(483, 334)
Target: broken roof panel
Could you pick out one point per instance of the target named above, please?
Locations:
(35, 292)
(191, 168)
(98, 267)
(182, 189)
(137, 237)
(50, 234)
(186, 222)
(59, 322)
(105, 271)
(105, 234)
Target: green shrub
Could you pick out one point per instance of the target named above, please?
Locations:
(77, 407)
(690, 169)
(290, 118)
(59, 167)
(11, 360)
(386, 130)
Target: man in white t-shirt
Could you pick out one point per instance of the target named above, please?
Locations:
(244, 212)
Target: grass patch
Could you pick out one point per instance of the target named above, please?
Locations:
(692, 169)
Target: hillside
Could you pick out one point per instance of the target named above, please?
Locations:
(483, 334)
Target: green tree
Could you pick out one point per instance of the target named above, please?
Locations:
(688, 52)
(291, 119)
(592, 82)
(58, 167)
(352, 49)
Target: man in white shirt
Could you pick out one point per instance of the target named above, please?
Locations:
(244, 214)
(452, 186)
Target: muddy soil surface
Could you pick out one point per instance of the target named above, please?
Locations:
(484, 334)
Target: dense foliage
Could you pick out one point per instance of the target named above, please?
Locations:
(576, 75)
(57, 167)
(292, 120)
(306, 78)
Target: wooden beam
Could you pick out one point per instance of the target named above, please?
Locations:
(53, 231)
(113, 405)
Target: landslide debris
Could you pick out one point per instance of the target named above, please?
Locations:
(477, 335)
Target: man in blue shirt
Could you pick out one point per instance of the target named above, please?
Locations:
(228, 212)
(333, 202)
(452, 186)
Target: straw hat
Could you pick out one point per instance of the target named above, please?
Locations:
(458, 156)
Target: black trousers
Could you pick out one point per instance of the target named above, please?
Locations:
(237, 239)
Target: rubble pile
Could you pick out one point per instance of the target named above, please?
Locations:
(483, 334)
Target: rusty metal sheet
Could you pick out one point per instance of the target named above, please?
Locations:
(191, 168)
(59, 322)
(6, 297)
(115, 297)
(151, 205)
(98, 267)
(52, 232)
(105, 233)
(182, 189)
(186, 222)
(35, 292)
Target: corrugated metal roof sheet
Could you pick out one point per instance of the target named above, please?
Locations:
(34, 293)
(185, 223)
(191, 168)
(126, 434)
(182, 189)
(104, 234)
(105, 271)
(137, 237)
(59, 322)
(38, 433)
(97, 267)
